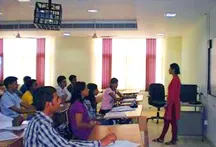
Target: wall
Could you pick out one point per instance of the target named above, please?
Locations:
(194, 65)
(74, 55)
(173, 47)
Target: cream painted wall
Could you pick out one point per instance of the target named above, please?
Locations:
(173, 48)
(194, 65)
(194, 54)
(74, 55)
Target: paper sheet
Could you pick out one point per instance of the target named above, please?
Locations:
(115, 115)
(17, 128)
(7, 136)
(128, 100)
(122, 109)
(5, 121)
(123, 143)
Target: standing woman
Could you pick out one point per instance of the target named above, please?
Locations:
(172, 108)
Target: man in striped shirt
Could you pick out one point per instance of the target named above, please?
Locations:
(40, 131)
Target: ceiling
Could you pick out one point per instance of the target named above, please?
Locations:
(148, 13)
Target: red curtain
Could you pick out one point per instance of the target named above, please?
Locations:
(1, 60)
(106, 62)
(40, 61)
(150, 62)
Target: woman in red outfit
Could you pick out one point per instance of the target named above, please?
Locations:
(172, 108)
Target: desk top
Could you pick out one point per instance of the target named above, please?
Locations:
(139, 97)
(191, 105)
(14, 142)
(136, 113)
(123, 132)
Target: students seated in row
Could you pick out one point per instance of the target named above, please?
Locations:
(28, 95)
(62, 91)
(90, 101)
(109, 97)
(11, 103)
(40, 131)
(73, 80)
(24, 88)
(80, 122)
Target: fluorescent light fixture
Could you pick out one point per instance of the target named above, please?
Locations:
(170, 14)
(160, 34)
(92, 10)
(66, 34)
(24, 0)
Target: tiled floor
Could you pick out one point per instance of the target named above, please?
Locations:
(154, 130)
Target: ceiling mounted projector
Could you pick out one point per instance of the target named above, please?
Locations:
(48, 16)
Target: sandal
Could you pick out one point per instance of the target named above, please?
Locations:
(158, 140)
(171, 143)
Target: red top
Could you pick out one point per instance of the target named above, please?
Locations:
(173, 98)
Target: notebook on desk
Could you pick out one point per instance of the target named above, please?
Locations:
(115, 115)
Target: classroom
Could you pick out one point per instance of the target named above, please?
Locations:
(107, 73)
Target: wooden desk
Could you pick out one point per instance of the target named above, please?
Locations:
(139, 97)
(14, 142)
(135, 114)
(123, 132)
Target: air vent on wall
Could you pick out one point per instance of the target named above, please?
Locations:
(75, 25)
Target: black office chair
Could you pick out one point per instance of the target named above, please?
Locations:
(189, 93)
(156, 99)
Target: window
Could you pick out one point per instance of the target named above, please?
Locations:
(19, 58)
(129, 62)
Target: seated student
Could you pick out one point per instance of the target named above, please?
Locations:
(80, 122)
(10, 102)
(90, 101)
(62, 91)
(40, 131)
(109, 96)
(23, 88)
(73, 80)
(28, 95)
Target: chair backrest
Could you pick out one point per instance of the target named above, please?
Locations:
(156, 92)
(188, 93)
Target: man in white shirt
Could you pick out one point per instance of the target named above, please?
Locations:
(61, 89)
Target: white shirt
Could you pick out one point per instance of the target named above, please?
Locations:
(61, 92)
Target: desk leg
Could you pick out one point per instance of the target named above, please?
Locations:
(203, 123)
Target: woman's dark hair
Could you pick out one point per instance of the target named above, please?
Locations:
(175, 67)
(30, 83)
(9, 80)
(60, 79)
(92, 87)
(76, 94)
(113, 81)
(26, 79)
(43, 95)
